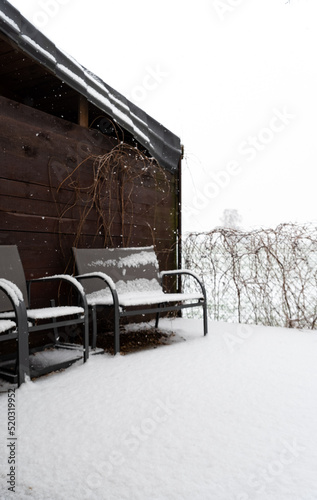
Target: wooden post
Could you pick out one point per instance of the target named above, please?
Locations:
(179, 218)
(180, 201)
(83, 115)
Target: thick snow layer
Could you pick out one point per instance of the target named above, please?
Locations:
(100, 97)
(9, 21)
(138, 292)
(12, 291)
(99, 274)
(39, 48)
(229, 416)
(54, 312)
(48, 357)
(72, 75)
(6, 324)
(142, 258)
(130, 299)
(48, 312)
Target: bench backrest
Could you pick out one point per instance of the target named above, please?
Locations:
(121, 264)
(11, 269)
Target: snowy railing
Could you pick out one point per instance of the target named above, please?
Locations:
(266, 276)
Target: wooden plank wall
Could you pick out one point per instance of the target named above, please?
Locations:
(39, 211)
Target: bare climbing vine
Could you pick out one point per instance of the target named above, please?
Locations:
(105, 189)
(265, 276)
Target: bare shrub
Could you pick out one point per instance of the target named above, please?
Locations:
(265, 276)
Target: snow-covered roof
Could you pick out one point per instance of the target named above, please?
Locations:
(162, 144)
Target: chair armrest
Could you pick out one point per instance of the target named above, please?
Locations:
(177, 272)
(107, 280)
(62, 277)
(22, 335)
(15, 296)
(12, 291)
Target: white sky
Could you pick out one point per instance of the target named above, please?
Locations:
(223, 72)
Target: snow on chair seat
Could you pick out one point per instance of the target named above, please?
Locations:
(6, 324)
(50, 319)
(130, 277)
(48, 312)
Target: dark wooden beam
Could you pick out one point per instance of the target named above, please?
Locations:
(83, 114)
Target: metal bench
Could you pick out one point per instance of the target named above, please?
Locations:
(129, 278)
(50, 319)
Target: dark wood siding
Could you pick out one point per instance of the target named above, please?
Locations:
(43, 163)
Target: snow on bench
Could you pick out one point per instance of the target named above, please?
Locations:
(130, 277)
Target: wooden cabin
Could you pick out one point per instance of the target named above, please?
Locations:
(80, 165)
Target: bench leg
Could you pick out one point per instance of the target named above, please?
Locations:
(205, 320)
(157, 319)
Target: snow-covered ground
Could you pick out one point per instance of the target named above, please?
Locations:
(230, 416)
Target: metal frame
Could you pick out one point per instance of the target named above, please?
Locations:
(180, 272)
(120, 311)
(12, 271)
(55, 323)
(20, 334)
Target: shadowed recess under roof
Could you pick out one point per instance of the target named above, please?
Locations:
(162, 144)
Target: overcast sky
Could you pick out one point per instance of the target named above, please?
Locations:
(235, 79)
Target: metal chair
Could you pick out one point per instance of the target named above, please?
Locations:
(49, 319)
(15, 330)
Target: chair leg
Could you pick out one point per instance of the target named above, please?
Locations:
(86, 338)
(56, 334)
(23, 368)
(116, 330)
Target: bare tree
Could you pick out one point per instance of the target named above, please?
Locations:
(231, 218)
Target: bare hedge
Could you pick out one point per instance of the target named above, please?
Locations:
(266, 276)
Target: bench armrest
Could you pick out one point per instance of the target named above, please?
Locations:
(106, 279)
(178, 272)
